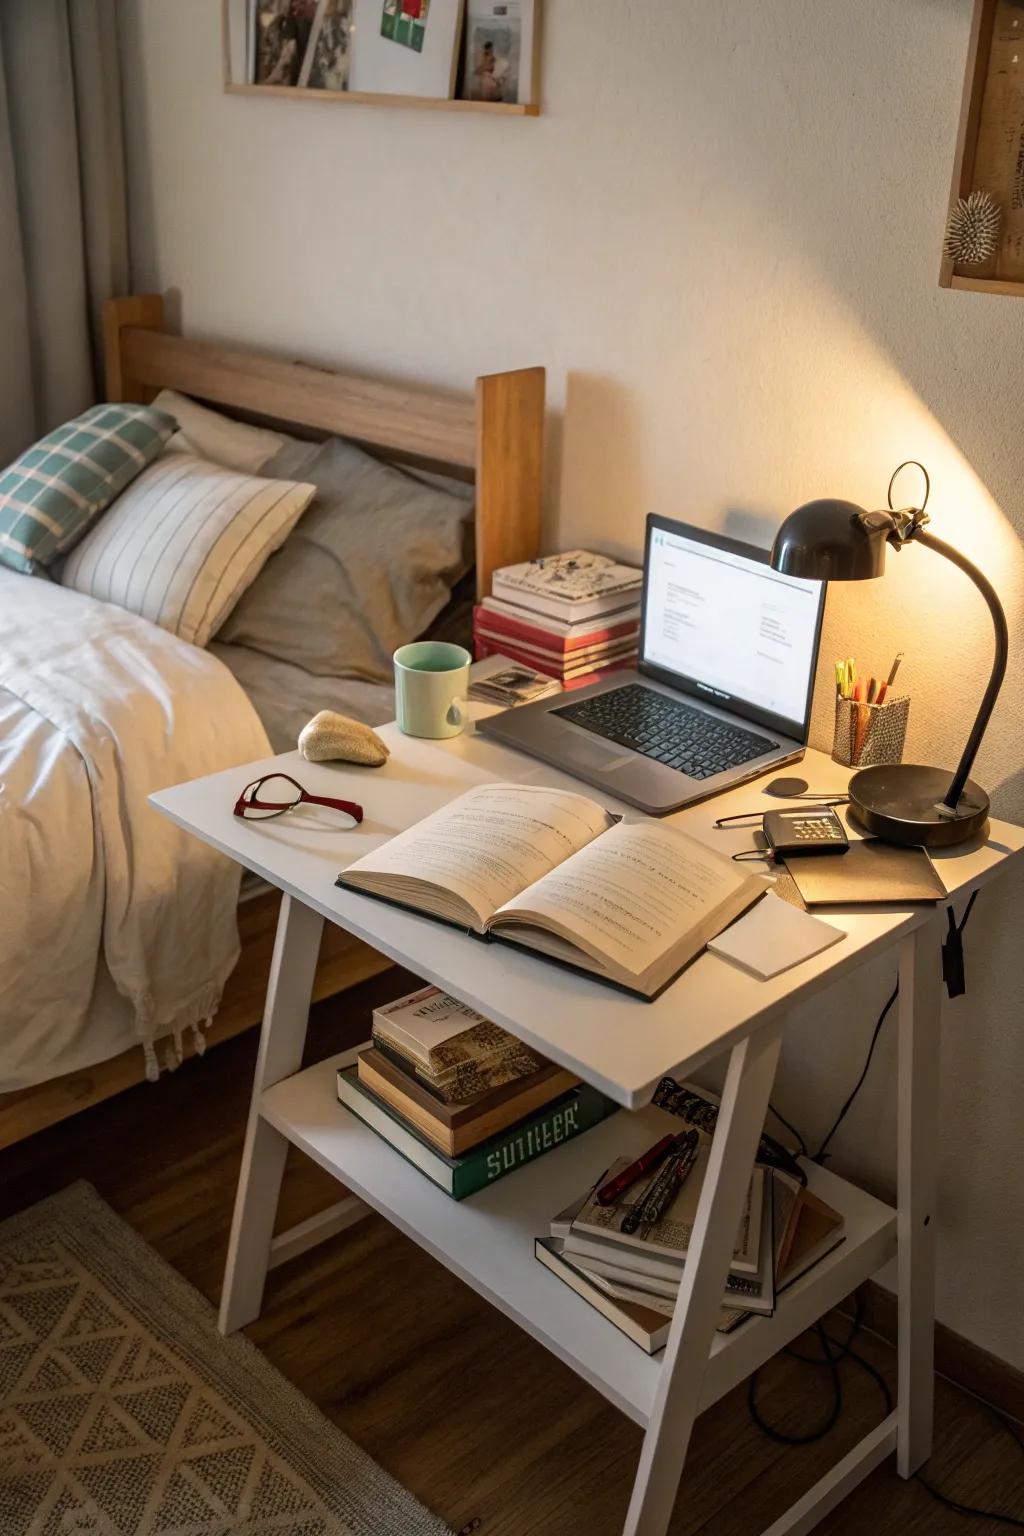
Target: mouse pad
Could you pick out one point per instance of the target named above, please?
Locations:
(869, 872)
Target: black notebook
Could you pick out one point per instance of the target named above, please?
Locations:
(869, 873)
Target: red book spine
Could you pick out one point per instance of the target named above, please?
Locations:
(484, 648)
(596, 677)
(595, 656)
(550, 668)
(537, 635)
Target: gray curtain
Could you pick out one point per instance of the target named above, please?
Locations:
(63, 208)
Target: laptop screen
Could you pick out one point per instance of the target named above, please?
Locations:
(718, 622)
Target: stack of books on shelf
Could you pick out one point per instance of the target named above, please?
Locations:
(631, 1273)
(574, 617)
(463, 1100)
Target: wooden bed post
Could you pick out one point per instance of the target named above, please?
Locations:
(509, 470)
(142, 312)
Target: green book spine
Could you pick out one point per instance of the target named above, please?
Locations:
(552, 1126)
(549, 1128)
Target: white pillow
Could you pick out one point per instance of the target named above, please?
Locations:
(209, 435)
(183, 543)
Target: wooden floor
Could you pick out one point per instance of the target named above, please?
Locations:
(471, 1415)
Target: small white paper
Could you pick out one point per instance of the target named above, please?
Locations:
(773, 936)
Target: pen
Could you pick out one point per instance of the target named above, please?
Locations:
(610, 1192)
(890, 679)
(659, 1194)
(872, 690)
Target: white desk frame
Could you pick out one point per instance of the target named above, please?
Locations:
(621, 1046)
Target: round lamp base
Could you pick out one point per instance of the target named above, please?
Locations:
(902, 803)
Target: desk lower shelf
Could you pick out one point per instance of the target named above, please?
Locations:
(488, 1241)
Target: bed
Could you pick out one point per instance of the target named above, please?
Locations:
(490, 442)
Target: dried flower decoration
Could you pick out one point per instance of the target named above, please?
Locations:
(972, 233)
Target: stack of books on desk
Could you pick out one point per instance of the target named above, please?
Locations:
(574, 617)
(463, 1100)
(633, 1278)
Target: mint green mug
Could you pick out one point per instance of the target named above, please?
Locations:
(431, 684)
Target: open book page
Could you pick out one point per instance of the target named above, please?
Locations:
(473, 855)
(629, 899)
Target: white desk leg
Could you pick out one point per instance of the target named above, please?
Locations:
(748, 1086)
(283, 1035)
(919, 1004)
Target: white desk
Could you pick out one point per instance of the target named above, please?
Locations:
(623, 1046)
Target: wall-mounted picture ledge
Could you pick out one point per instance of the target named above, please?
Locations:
(445, 55)
(983, 251)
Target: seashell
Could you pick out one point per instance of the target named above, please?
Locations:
(330, 737)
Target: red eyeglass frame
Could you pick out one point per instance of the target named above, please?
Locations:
(247, 800)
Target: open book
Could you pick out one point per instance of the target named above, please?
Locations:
(631, 902)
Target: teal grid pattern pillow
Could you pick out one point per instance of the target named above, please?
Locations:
(53, 493)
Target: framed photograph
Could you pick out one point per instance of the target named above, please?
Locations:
(326, 66)
(299, 43)
(498, 51)
(406, 47)
(281, 40)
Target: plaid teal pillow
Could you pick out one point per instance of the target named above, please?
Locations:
(50, 496)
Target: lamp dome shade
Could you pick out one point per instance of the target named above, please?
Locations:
(830, 540)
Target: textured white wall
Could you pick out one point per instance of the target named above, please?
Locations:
(722, 238)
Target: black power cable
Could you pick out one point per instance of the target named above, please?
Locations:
(801, 1144)
(822, 1152)
(833, 1351)
(952, 969)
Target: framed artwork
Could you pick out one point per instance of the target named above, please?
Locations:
(299, 43)
(406, 47)
(498, 51)
(405, 22)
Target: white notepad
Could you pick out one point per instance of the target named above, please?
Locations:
(772, 936)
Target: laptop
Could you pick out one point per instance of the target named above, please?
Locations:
(722, 691)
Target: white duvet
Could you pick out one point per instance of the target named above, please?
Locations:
(99, 708)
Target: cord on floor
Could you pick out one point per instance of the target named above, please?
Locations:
(834, 1353)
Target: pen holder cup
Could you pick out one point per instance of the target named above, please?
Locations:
(867, 734)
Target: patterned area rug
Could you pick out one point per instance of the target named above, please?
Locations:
(124, 1413)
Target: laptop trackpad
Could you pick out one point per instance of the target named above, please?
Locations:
(598, 754)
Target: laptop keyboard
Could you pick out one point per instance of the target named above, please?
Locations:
(667, 731)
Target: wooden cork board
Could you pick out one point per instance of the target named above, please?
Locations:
(990, 144)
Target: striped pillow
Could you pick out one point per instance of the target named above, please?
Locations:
(184, 542)
(59, 486)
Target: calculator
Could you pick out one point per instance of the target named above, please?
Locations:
(815, 830)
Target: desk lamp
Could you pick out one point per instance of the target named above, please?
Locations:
(838, 541)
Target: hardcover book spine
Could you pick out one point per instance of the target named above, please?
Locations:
(499, 624)
(550, 668)
(483, 648)
(584, 1108)
(570, 660)
(596, 676)
(406, 1065)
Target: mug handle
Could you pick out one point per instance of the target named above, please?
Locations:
(457, 713)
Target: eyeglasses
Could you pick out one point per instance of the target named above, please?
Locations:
(276, 794)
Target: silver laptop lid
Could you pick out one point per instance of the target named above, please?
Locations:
(720, 624)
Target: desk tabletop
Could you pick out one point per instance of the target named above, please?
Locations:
(621, 1044)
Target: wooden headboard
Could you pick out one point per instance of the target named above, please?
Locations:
(497, 433)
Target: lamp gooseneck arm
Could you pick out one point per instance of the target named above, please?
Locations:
(995, 682)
